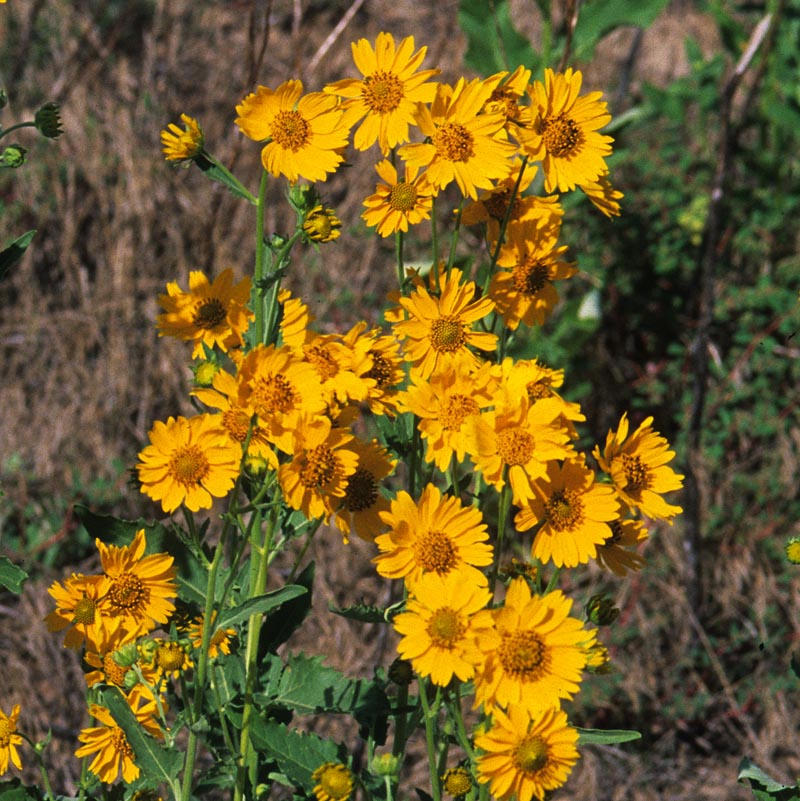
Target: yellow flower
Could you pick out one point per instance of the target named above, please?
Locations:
(334, 782)
(457, 782)
(441, 627)
(169, 658)
(184, 145)
(321, 464)
(443, 403)
(189, 461)
(638, 467)
(385, 371)
(113, 753)
(9, 740)
(564, 135)
(465, 145)
(362, 503)
(397, 204)
(603, 196)
(208, 314)
(793, 550)
(220, 638)
(322, 225)
(435, 535)
(507, 89)
(573, 513)
(78, 602)
(615, 554)
(526, 757)
(104, 655)
(141, 588)
(388, 94)
(304, 134)
(525, 292)
(439, 331)
(535, 656)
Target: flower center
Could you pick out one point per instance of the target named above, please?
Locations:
(84, 612)
(209, 314)
(318, 467)
(531, 277)
(503, 101)
(403, 196)
(188, 465)
(515, 446)
(453, 142)
(381, 370)
(538, 390)
(120, 743)
(115, 673)
(447, 334)
(564, 510)
(290, 130)
(323, 360)
(561, 136)
(236, 422)
(382, 92)
(361, 492)
(457, 782)
(530, 755)
(497, 204)
(275, 395)
(128, 594)
(454, 410)
(435, 552)
(445, 628)
(637, 475)
(336, 782)
(522, 654)
(170, 656)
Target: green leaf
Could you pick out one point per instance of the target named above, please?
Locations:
(763, 784)
(11, 576)
(606, 736)
(259, 605)
(155, 761)
(216, 173)
(493, 43)
(15, 790)
(363, 613)
(10, 255)
(278, 628)
(297, 755)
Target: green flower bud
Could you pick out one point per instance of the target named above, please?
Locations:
(601, 610)
(401, 672)
(130, 680)
(127, 655)
(384, 765)
(13, 156)
(47, 121)
(3, 98)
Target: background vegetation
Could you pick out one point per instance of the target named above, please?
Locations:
(692, 315)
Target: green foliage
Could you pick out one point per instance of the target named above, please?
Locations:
(11, 576)
(764, 787)
(13, 252)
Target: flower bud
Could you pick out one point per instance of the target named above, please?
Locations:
(384, 765)
(13, 156)
(130, 680)
(127, 655)
(601, 610)
(204, 373)
(322, 225)
(3, 98)
(457, 782)
(48, 121)
(401, 672)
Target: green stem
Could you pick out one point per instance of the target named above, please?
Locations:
(503, 511)
(260, 266)
(434, 244)
(230, 176)
(430, 713)
(16, 127)
(457, 716)
(454, 238)
(398, 253)
(42, 766)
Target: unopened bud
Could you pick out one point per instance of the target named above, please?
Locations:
(601, 610)
(13, 156)
(48, 121)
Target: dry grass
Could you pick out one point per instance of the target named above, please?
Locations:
(83, 374)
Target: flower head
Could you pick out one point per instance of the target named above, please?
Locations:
(387, 96)
(9, 740)
(78, 609)
(188, 461)
(616, 553)
(182, 146)
(793, 550)
(398, 203)
(334, 782)
(304, 134)
(220, 640)
(213, 314)
(322, 225)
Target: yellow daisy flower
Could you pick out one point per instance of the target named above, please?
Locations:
(507, 89)
(525, 757)
(615, 553)
(113, 753)
(322, 225)
(304, 134)
(334, 782)
(536, 654)
(388, 94)
(638, 467)
(437, 331)
(182, 146)
(465, 145)
(213, 314)
(523, 292)
(573, 513)
(792, 549)
(442, 626)
(385, 372)
(105, 655)
(564, 135)
(397, 204)
(361, 506)
(9, 740)
(141, 588)
(170, 658)
(220, 641)
(436, 534)
(189, 461)
(78, 601)
(457, 782)
(443, 402)
(603, 196)
(322, 460)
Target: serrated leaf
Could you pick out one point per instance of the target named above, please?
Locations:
(259, 605)
(363, 613)
(11, 254)
(606, 736)
(153, 759)
(215, 173)
(297, 755)
(12, 577)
